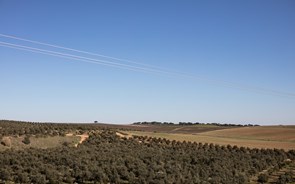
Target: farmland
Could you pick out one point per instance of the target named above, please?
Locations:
(187, 129)
(280, 137)
(266, 133)
(101, 153)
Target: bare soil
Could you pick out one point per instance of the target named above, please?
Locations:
(252, 137)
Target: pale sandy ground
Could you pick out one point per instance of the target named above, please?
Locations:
(83, 138)
(122, 135)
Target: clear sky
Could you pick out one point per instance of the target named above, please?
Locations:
(249, 43)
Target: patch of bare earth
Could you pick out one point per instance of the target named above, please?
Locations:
(69, 134)
(16, 142)
(121, 135)
(138, 125)
(83, 137)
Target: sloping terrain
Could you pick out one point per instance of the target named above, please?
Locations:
(280, 137)
(266, 133)
(106, 157)
(183, 129)
(89, 153)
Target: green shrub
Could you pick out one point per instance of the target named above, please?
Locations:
(262, 178)
(26, 140)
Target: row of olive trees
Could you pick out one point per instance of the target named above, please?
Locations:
(108, 158)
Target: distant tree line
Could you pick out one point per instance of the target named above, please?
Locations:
(191, 123)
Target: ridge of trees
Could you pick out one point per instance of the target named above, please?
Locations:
(191, 123)
(20, 128)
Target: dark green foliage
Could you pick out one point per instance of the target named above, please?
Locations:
(16, 128)
(4, 174)
(106, 158)
(285, 178)
(262, 178)
(38, 178)
(26, 140)
(65, 143)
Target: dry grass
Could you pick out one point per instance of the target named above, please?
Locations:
(51, 142)
(252, 137)
(266, 133)
(6, 141)
(120, 134)
(40, 142)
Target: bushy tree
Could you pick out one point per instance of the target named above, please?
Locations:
(262, 178)
(26, 140)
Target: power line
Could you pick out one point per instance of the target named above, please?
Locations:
(97, 61)
(93, 54)
(66, 57)
(146, 69)
(158, 69)
(76, 50)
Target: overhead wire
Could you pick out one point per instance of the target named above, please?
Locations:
(97, 61)
(100, 55)
(77, 50)
(62, 56)
(132, 67)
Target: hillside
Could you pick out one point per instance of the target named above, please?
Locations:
(90, 153)
(280, 137)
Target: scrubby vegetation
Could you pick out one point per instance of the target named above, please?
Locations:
(106, 157)
(18, 128)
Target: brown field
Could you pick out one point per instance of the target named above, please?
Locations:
(187, 129)
(280, 137)
(266, 133)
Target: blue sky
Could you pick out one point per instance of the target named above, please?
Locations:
(249, 43)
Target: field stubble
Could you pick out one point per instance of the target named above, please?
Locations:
(280, 137)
